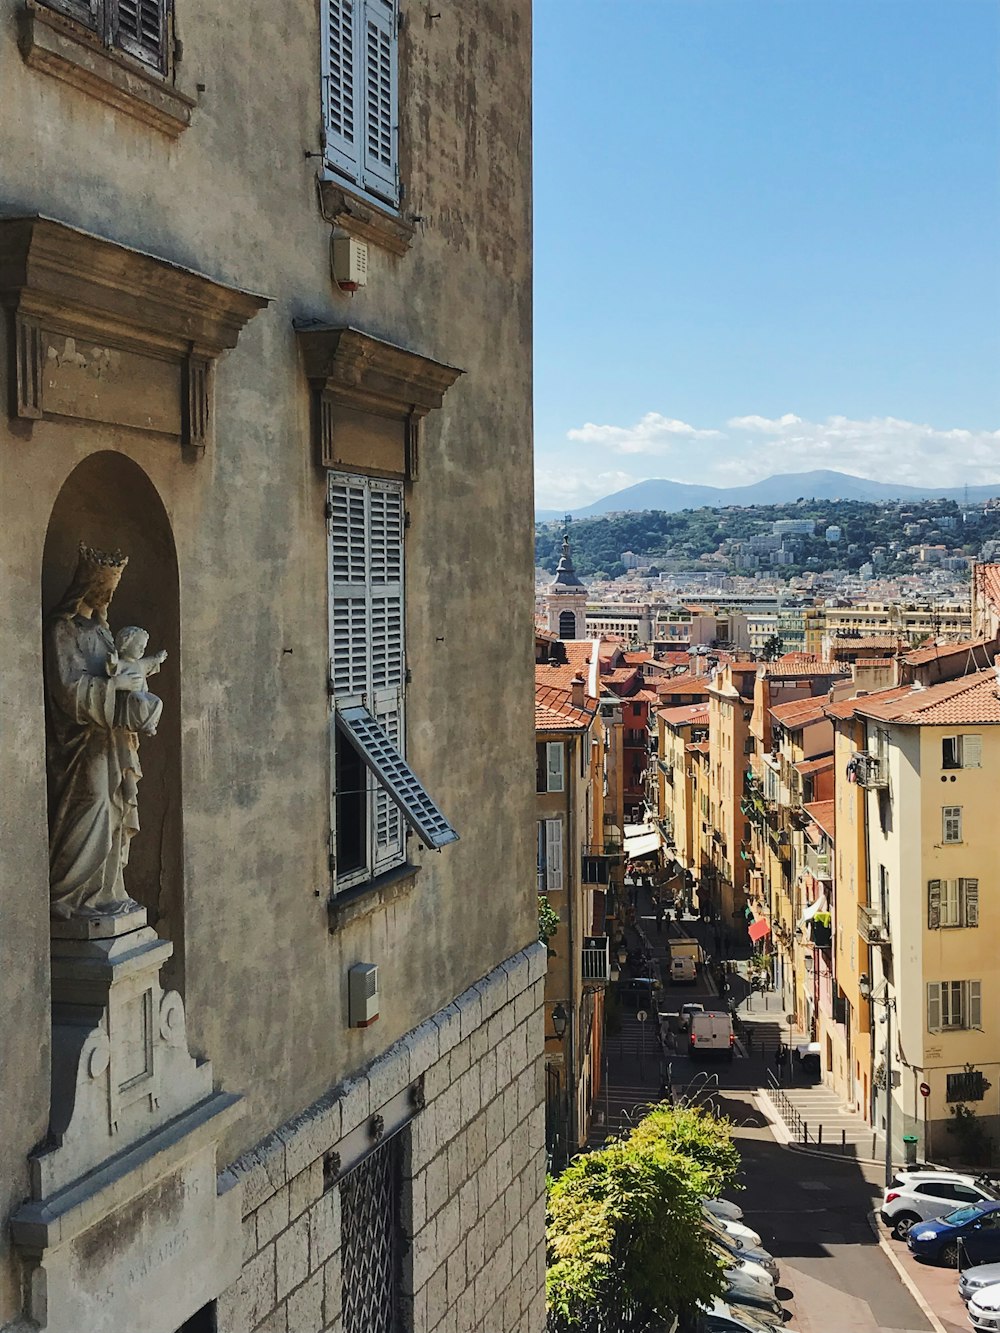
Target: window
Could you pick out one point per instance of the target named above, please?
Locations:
(567, 624)
(550, 757)
(951, 823)
(962, 752)
(550, 855)
(371, 1230)
(375, 789)
(952, 902)
(360, 93)
(968, 1086)
(953, 1004)
(138, 27)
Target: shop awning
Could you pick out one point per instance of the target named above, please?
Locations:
(638, 830)
(647, 844)
(758, 930)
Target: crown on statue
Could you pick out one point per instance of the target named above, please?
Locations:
(99, 569)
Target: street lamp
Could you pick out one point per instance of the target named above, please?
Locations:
(559, 1020)
(888, 1003)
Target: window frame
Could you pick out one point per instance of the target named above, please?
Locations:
(951, 814)
(550, 872)
(954, 1006)
(103, 20)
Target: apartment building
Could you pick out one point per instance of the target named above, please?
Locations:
(266, 294)
(730, 708)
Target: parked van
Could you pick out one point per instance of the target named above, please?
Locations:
(711, 1034)
(686, 948)
(683, 969)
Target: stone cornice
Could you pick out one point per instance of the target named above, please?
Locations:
(363, 219)
(59, 281)
(356, 370)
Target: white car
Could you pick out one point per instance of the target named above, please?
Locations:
(745, 1268)
(737, 1230)
(984, 1309)
(723, 1208)
(722, 1318)
(920, 1196)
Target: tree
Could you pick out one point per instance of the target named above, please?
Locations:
(625, 1222)
(548, 921)
(773, 647)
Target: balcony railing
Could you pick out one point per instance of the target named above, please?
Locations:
(872, 926)
(869, 771)
(596, 958)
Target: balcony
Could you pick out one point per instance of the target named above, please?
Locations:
(596, 959)
(872, 926)
(869, 771)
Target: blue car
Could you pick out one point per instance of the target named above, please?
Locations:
(969, 1235)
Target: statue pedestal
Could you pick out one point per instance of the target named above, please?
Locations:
(125, 1228)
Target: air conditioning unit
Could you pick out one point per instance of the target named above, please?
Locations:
(349, 263)
(362, 995)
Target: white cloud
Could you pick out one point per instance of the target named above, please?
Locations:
(654, 434)
(572, 488)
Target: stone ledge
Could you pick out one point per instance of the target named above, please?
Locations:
(353, 904)
(59, 47)
(363, 219)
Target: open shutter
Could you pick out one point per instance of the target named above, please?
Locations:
(553, 854)
(341, 120)
(933, 1006)
(971, 896)
(388, 820)
(934, 904)
(974, 1011)
(87, 12)
(542, 883)
(348, 582)
(381, 79)
(555, 757)
(972, 751)
(385, 554)
(140, 28)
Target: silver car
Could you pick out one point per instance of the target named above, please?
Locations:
(974, 1279)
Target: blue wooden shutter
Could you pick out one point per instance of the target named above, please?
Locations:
(341, 116)
(380, 93)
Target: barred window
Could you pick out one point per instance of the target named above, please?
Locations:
(370, 1230)
(968, 1086)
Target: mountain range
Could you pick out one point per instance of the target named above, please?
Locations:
(784, 488)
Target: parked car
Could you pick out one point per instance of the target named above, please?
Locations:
(984, 1309)
(973, 1280)
(919, 1196)
(739, 1250)
(719, 1317)
(687, 1010)
(710, 1034)
(738, 1230)
(637, 993)
(723, 1208)
(761, 1304)
(976, 1227)
(745, 1268)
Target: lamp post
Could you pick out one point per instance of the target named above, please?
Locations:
(866, 991)
(560, 1021)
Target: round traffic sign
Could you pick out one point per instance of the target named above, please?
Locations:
(925, 1089)
(641, 1015)
(789, 1019)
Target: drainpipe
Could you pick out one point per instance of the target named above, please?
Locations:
(574, 961)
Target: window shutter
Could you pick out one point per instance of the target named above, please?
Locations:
(974, 1014)
(934, 1006)
(340, 84)
(388, 821)
(971, 896)
(381, 80)
(934, 904)
(87, 12)
(972, 751)
(542, 885)
(349, 593)
(140, 28)
(386, 578)
(553, 854)
(555, 753)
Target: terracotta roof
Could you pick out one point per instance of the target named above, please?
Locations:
(672, 659)
(699, 747)
(847, 708)
(809, 766)
(618, 674)
(851, 641)
(554, 710)
(650, 696)
(822, 813)
(800, 712)
(806, 667)
(638, 659)
(969, 701)
(682, 685)
(875, 661)
(920, 656)
(688, 715)
(988, 578)
(549, 635)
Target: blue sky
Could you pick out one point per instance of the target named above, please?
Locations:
(767, 238)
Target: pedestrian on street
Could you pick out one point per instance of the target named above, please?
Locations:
(781, 1057)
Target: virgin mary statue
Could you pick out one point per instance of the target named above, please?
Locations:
(93, 761)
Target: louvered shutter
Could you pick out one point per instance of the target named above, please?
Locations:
(972, 751)
(555, 755)
(348, 582)
(341, 119)
(934, 904)
(380, 92)
(934, 1006)
(553, 854)
(87, 12)
(542, 883)
(970, 894)
(388, 821)
(974, 1010)
(140, 28)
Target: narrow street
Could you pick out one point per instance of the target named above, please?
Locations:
(812, 1211)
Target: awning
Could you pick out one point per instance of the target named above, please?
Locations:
(646, 845)
(638, 830)
(758, 930)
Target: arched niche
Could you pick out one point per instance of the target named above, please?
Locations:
(109, 503)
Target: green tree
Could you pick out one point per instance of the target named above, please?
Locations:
(548, 921)
(773, 647)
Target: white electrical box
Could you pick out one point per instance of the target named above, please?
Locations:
(362, 995)
(349, 261)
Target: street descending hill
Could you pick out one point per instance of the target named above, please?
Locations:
(673, 496)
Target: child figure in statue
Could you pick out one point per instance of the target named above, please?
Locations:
(136, 710)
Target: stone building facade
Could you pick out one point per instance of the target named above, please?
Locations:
(265, 298)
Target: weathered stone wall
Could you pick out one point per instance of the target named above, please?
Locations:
(473, 1197)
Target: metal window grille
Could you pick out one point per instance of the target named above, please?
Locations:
(369, 1200)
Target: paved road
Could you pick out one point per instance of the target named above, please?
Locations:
(811, 1212)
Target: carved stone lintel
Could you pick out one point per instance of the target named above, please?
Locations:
(26, 376)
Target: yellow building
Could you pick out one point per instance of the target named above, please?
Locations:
(730, 706)
(678, 793)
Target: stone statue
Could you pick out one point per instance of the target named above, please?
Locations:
(97, 705)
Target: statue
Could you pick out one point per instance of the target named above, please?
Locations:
(97, 706)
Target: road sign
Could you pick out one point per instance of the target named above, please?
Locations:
(789, 1019)
(925, 1089)
(641, 1015)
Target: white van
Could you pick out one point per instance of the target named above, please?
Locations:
(683, 969)
(711, 1034)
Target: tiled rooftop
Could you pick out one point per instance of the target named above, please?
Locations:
(685, 716)
(969, 701)
(800, 712)
(822, 813)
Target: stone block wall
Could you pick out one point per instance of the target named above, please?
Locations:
(473, 1177)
